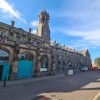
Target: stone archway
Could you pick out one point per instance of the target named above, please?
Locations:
(30, 52)
(4, 56)
(4, 63)
(9, 51)
(44, 63)
(40, 63)
(25, 65)
(26, 56)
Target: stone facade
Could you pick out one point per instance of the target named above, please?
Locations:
(58, 58)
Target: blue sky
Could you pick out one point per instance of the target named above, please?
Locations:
(75, 23)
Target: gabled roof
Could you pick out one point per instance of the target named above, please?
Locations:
(85, 52)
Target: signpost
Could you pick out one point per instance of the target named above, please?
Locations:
(70, 72)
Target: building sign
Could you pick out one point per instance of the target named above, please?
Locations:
(43, 69)
(70, 72)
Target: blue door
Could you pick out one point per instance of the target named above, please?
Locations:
(25, 68)
(4, 70)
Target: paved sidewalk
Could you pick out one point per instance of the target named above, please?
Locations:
(97, 97)
(28, 80)
(80, 86)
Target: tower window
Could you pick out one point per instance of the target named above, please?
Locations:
(43, 19)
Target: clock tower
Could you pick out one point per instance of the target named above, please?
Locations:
(43, 27)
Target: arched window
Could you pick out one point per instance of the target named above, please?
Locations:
(4, 56)
(26, 56)
(44, 65)
(43, 19)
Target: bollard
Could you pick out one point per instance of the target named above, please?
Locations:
(5, 82)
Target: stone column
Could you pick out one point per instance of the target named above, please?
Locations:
(12, 23)
(14, 63)
(53, 64)
(30, 30)
(38, 63)
(14, 70)
(38, 69)
(49, 64)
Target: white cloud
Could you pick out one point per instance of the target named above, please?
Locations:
(81, 20)
(34, 23)
(80, 9)
(84, 39)
(9, 11)
(83, 44)
(34, 32)
(84, 14)
(93, 35)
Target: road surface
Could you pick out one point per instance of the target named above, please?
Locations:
(80, 86)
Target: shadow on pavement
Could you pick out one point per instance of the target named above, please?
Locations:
(41, 98)
(59, 85)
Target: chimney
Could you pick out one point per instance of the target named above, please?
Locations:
(12, 23)
(30, 30)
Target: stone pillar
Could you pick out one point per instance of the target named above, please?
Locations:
(15, 67)
(49, 64)
(53, 66)
(38, 69)
(14, 70)
(30, 30)
(34, 66)
(38, 64)
(12, 23)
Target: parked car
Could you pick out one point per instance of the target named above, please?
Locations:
(90, 68)
(84, 68)
(93, 68)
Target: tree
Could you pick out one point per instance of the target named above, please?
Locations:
(97, 61)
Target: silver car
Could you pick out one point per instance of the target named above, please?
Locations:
(84, 68)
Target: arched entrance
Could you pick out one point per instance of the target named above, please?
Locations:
(4, 64)
(44, 64)
(25, 65)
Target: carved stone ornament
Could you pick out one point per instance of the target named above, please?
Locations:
(16, 48)
(2, 40)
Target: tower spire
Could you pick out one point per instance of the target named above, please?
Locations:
(44, 7)
(43, 27)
